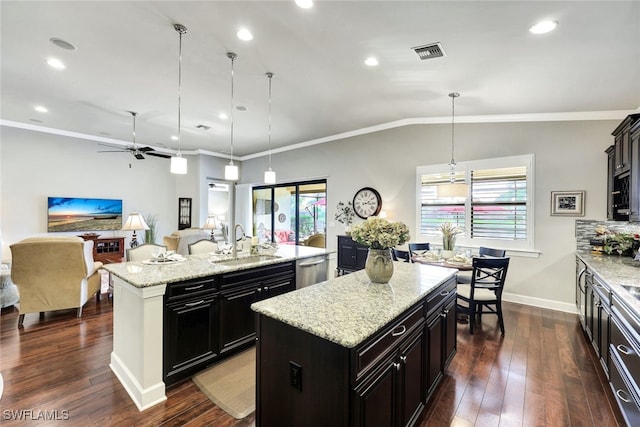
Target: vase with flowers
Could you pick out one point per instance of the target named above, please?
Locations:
(380, 235)
(345, 215)
(449, 233)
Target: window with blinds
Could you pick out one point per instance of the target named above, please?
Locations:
(498, 206)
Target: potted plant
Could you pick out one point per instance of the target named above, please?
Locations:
(449, 233)
(380, 235)
(344, 215)
(150, 234)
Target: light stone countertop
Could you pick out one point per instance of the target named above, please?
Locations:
(348, 309)
(616, 271)
(143, 275)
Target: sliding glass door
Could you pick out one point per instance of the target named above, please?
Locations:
(294, 213)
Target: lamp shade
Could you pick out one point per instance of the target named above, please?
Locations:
(452, 190)
(269, 176)
(135, 222)
(178, 165)
(231, 172)
(210, 223)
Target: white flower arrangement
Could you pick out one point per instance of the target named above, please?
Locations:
(449, 233)
(379, 233)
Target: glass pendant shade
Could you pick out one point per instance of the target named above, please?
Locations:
(452, 190)
(178, 165)
(231, 172)
(269, 176)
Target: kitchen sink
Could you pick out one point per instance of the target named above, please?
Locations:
(246, 260)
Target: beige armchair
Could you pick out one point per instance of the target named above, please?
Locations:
(315, 240)
(54, 273)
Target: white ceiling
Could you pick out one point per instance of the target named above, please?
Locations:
(127, 59)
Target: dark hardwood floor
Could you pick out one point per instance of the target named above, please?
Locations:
(541, 373)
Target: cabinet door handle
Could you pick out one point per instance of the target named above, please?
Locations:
(399, 332)
(259, 289)
(623, 349)
(266, 288)
(193, 288)
(397, 366)
(193, 304)
(621, 395)
(444, 312)
(403, 359)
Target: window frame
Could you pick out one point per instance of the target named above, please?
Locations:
(463, 240)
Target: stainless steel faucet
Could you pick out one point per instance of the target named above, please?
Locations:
(234, 248)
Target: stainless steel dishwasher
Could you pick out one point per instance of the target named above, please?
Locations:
(312, 270)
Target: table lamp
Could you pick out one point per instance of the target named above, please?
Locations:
(210, 224)
(133, 223)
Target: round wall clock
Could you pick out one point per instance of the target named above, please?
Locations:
(367, 202)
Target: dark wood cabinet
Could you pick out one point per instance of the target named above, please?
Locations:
(351, 255)
(190, 328)
(210, 318)
(394, 394)
(597, 314)
(383, 381)
(239, 291)
(108, 250)
(623, 184)
(634, 188)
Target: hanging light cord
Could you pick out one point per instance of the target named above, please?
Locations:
(233, 57)
(270, 76)
(181, 30)
(452, 165)
(134, 128)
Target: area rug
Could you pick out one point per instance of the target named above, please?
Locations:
(231, 384)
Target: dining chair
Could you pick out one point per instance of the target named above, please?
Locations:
(484, 294)
(203, 246)
(400, 255)
(417, 249)
(484, 251)
(143, 252)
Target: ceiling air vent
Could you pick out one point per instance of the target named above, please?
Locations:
(428, 51)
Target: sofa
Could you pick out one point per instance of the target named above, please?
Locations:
(54, 273)
(179, 241)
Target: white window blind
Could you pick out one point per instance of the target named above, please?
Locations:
(498, 209)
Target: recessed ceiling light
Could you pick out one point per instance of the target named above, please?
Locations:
(223, 116)
(56, 63)
(40, 109)
(244, 34)
(371, 61)
(305, 4)
(62, 43)
(174, 138)
(543, 27)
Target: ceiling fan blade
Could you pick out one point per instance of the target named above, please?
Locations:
(138, 155)
(164, 156)
(112, 151)
(145, 149)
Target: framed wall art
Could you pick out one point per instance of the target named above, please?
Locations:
(567, 203)
(184, 213)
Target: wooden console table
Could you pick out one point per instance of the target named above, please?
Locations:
(108, 249)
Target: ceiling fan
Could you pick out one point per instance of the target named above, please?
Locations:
(137, 151)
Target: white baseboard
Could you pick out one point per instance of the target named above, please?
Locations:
(539, 302)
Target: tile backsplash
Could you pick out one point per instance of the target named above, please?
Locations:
(586, 230)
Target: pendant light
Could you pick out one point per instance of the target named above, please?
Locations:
(179, 163)
(452, 189)
(231, 170)
(269, 174)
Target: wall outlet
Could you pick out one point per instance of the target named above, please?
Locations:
(295, 375)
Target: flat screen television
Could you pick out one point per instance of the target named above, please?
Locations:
(82, 214)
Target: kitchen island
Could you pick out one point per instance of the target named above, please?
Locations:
(171, 320)
(347, 352)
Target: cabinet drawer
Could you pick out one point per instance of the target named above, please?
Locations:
(191, 288)
(437, 297)
(381, 344)
(625, 347)
(626, 401)
(257, 274)
(630, 318)
(603, 291)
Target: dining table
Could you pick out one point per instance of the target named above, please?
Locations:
(462, 266)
